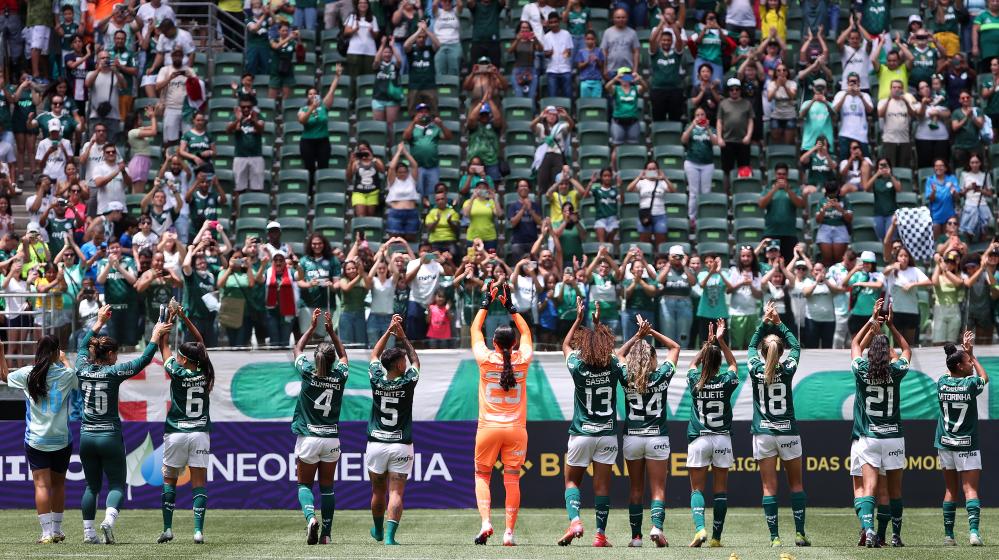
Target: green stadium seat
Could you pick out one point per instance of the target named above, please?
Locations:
(370, 225)
(330, 204)
(748, 231)
(677, 178)
(904, 176)
(518, 109)
(448, 86)
(292, 205)
(714, 248)
(862, 204)
(518, 133)
(302, 85)
(222, 110)
(745, 205)
(666, 133)
(363, 109)
(227, 65)
(520, 156)
(133, 202)
(676, 207)
(331, 180)
(593, 133)
(339, 111)
(747, 185)
(712, 230)
(629, 231)
(863, 230)
(712, 205)
(631, 157)
(874, 246)
(223, 157)
(907, 199)
(292, 229)
(365, 85)
(644, 247)
(246, 227)
(339, 132)
(374, 132)
(308, 38)
(267, 108)
(293, 179)
(782, 153)
(450, 156)
(330, 227)
(292, 132)
(449, 108)
(592, 158)
(629, 209)
(254, 205)
(338, 156)
(670, 156)
(591, 110)
(678, 231)
(663, 248)
(291, 158)
(564, 102)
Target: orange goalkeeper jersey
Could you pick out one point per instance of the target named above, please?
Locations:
(498, 407)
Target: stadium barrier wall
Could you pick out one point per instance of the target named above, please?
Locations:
(252, 467)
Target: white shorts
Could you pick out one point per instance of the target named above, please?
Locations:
(37, 38)
(311, 450)
(655, 448)
(711, 449)
(186, 449)
(885, 454)
(609, 224)
(855, 469)
(172, 121)
(584, 450)
(768, 445)
(248, 173)
(393, 457)
(970, 460)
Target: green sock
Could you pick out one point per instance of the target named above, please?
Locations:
(867, 512)
(601, 505)
(635, 520)
(572, 503)
(856, 506)
(327, 500)
(697, 509)
(974, 514)
(718, 517)
(169, 498)
(798, 501)
(378, 530)
(658, 511)
(390, 529)
(305, 499)
(770, 513)
(884, 516)
(950, 514)
(200, 505)
(895, 506)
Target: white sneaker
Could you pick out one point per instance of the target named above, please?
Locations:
(635, 543)
(656, 535)
(108, 532)
(91, 539)
(199, 537)
(165, 537)
(312, 531)
(949, 541)
(508, 539)
(975, 539)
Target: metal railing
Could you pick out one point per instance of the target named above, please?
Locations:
(21, 330)
(212, 29)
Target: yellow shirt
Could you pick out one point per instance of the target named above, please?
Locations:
(886, 76)
(54, 299)
(558, 199)
(443, 232)
(773, 18)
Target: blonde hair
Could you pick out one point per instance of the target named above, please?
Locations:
(772, 347)
(710, 361)
(640, 361)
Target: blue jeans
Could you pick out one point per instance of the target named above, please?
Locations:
(378, 323)
(415, 324)
(428, 179)
(832, 29)
(560, 85)
(399, 48)
(305, 18)
(629, 321)
(494, 172)
(881, 224)
(591, 88)
(638, 11)
(676, 314)
(577, 45)
(447, 61)
(530, 90)
(279, 328)
(402, 222)
(352, 328)
(717, 71)
(493, 322)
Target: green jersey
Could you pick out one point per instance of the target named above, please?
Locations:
(647, 411)
(957, 427)
(626, 103)
(322, 269)
(58, 229)
(189, 402)
(711, 407)
(158, 293)
(710, 49)
(712, 304)
(924, 65)
(773, 405)
(864, 298)
(639, 300)
(667, 70)
(988, 35)
(391, 418)
(820, 170)
(878, 416)
(203, 207)
(197, 142)
(317, 411)
(66, 119)
(99, 385)
(422, 73)
(606, 201)
(700, 150)
(485, 21)
(992, 105)
(578, 22)
(424, 145)
(248, 142)
(127, 59)
(874, 17)
(594, 410)
(118, 293)
(196, 285)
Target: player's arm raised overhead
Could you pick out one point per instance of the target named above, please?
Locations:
(902, 343)
(376, 352)
(479, 347)
(644, 328)
(726, 351)
(400, 335)
(335, 338)
(307, 335)
(867, 332)
(567, 342)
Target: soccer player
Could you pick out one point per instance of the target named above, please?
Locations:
(957, 435)
(646, 439)
(48, 443)
(502, 429)
(102, 449)
(880, 445)
(186, 440)
(596, 372)
(775, 431)
(709, 430)
(317, 414)
(389, 455)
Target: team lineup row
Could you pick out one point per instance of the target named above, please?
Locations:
(877, 452)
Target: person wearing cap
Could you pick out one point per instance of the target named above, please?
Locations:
(781, 203)
(626, 88)
(485, 81)
(52, 153)
(589, 61)
(896, 66)
(853, 106)
(552, 131)
(676, 312)
(620, 44)
(485, 127)
(734, 125)
(816, 116)
(864, 283)
(948, 292)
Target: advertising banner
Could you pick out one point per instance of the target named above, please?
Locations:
(252, 467)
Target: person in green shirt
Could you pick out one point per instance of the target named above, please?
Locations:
(820, 166)
(639, 295)
(833, 217)
(485, 29)
(699, 165)
(186, 439)
(314, 144)
(666, 53)
(966, 121)
(781, 204)
(118, 273)
(956, 437)
(257, 54)
(596, 373)
(424, 134)
(626, 88)
(197, 144)
(709, 440)
(102, 449)
(877, 418)
(714, 284)
(282, 71)
(200, 301)
(316, 423)
(864, 283)
(420, 49)
(985, 36)
(816, 116)
(318, 273)
(248, 160)
(774, 429)
(602, 279)
(988, 84)
(124, 60)
(948, 292)
(484, 130)
(353, 286)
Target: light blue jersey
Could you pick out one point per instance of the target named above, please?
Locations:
(47, 421)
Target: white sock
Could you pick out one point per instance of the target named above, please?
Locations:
(45, 520)
(110, 515)
(88, 528)
(486, 525)
(508, 531)
(56, 522)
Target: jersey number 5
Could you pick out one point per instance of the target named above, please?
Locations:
(390, 415)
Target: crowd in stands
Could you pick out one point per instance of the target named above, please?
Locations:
(679, 160)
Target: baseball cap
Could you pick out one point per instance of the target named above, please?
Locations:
(33, 227)
(115, 205)
(676, 250)
(273, 225)
(55, 125)
(773, 245)
(915, 17)
(624, 70)
(485, 108)
(484, 60)
(868, 257)
(421, 106)
(733, 82)
(800, 264)
(819, 83)
(551, 109)
(952, 256)
(278, 253)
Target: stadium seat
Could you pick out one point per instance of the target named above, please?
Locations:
(363, 110)
(302, 85)
(339, 132)
(628, 231)
(339, 112)
(223, 157)
(664, 248)
(712, 205)
(520, 156)
(862, 204)
(593, 158)
(227, 65)
(374, 132)
(712, 230)
(291, 158)
(746, 185)
(365, 85)
(748, 231)
(644, 247)
(292, 205)
(874, 246)
(744, 205)
(593, 133)
(331, 181)
(518, 133)
(291, 132)
(292, 229)
(904, 176)
(631, 157)
(133, 202)
(222, 110)
(629, 209)
(591, 110)
(563, 102)
(907, 199)
(246, 227)
(677, 178)
(267, 108)
(370, 225)
(676, 207)
(450, 156)
(448, 86)
(666, 133)
(330, 227)
(782, 153)
(518, 109)
(330, 204)
(254, 205)
(449, 108)
(863, 230)
(715, 248)
(678, 230)
(670, 156)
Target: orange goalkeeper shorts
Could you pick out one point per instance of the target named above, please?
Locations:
(509, 444)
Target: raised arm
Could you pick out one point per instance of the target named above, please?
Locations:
(376, 352)
(567, 342)
(307, 335)
(726, 351)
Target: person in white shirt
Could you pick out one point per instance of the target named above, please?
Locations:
(897, 112)
(536, 14)
(110, 180)
(422, 275)
(154, 12)
(558, 51)
(820, 308)
(170, 37)
(854, 55)
(853, 106)
(447, 28)
(103, 86)
(526, 287)
(53, 152)
(171, 84)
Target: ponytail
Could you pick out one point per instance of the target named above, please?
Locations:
(196, 353)
(772, 348)
(46, 353)
(710, 360)
(640, 361)
(325, 357)
(503, 339)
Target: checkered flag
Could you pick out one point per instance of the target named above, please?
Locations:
(915, 227)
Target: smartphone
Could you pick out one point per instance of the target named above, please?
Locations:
(163, 312)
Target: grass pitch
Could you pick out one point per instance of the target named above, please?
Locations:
(447, 534)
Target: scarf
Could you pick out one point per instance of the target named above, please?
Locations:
(280, 293)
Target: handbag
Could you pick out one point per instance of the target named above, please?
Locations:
(342, 41)
(645, 214)
(232, 311)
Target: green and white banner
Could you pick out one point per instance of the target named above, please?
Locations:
(263, 386)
